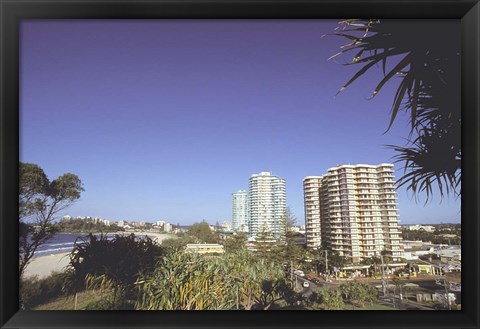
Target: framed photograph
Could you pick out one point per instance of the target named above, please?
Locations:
(178, 164)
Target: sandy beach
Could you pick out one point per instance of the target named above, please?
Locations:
(159, 237)
(43, 266)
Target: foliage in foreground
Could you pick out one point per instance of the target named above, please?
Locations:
(184, 281)
(426, 61)
(114, 264)
(35, 291)
(132, 273)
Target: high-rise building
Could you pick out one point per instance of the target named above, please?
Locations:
(240, 211)
(311, 192)
(267, 204)
(357, 211)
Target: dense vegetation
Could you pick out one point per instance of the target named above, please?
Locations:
(35, 291)
(449, 234)
(79, 225)
(133, 273)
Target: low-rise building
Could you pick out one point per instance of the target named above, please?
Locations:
(204, 248)
(426, 228)
(453, 253)
(409, 244)
(167, 227)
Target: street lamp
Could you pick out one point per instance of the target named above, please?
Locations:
(383, 277)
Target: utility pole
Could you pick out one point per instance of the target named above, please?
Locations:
(326, 261)
(291, 274)
(447, 294)
(393, 298)
(383, 277)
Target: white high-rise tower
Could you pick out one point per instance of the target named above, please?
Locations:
(240, 211)
(354, 208)
(267, 204)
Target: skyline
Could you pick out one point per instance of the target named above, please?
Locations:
(166, 119)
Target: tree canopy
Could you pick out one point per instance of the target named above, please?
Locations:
(104, 262)
(203, 233)
(40, 201)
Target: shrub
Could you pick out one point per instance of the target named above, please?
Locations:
(359, 294)
(103, 304)
(329, 299)
(35, 291)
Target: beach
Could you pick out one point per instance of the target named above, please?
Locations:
(43, 266)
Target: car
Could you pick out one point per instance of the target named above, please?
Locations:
(299, 273)
(306, 284)
(315, 280)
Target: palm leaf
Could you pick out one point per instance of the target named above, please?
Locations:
(402, 64)
(397, 101)
(357, 75)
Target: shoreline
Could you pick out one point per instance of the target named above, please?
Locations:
(42, 266)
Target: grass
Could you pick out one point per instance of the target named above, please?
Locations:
(68, 303)
(376, 307)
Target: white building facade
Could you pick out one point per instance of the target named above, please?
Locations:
(267, 204)
(240, 211)
(311, 192)
(357, 211)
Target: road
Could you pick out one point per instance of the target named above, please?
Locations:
(306, 292)
(417, 285)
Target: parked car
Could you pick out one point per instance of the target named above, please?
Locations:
(315, 280)
(299, 273)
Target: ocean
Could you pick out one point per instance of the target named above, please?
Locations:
(60, 243)
(63, 242)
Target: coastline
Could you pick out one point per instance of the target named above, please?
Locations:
(159, 237)
(43, 266)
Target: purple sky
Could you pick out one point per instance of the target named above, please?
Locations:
(164, 119)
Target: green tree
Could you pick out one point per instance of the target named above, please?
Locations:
(427, 63)
(359, 294)
(329, 299)
(290, 251)
(274, 291)
(40, 201)
(111, 264)
(372, 261)
(399, 286)
(81, 225)
(322, 257)
(203, 233)
(336, 260)
(265, 243)
(387, 256)
(236, 243)
(177, 243)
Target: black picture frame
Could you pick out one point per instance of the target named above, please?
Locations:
(12, 11)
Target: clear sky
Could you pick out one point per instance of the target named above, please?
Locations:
(164, 119)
